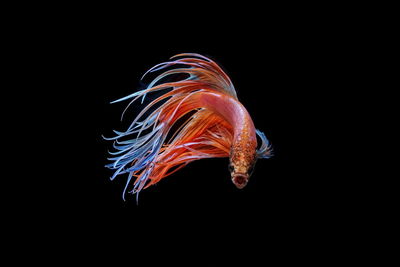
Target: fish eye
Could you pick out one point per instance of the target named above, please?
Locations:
(250, 170)
(230, 167)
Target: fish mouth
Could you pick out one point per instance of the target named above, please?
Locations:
(240, 180)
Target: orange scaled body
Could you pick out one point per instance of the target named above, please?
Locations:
(218, 125)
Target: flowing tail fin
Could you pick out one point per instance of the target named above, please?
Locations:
(143, 150)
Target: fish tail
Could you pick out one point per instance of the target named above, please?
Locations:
(152, 148)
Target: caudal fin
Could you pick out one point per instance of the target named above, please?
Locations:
(143, 151)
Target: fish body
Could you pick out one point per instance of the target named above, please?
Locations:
(218, 126)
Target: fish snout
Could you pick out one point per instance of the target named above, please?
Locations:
(240, 180)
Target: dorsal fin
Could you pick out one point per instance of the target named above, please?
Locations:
(200, 68)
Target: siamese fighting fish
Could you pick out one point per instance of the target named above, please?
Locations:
(195, 117)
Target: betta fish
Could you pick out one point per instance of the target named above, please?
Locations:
(195, 117)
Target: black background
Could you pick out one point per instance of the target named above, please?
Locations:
(284, 69)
